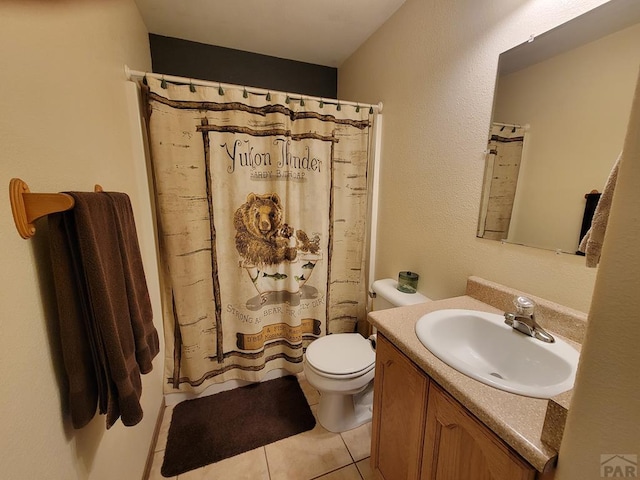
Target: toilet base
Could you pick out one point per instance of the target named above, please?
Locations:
(339, 413)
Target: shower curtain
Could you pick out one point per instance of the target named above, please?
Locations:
(261, 203)
(504, 156)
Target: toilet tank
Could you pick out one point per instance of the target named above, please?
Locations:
(387, 295)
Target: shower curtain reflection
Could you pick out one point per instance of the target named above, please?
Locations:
(500, 180)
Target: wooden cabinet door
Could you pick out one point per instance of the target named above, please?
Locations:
(458, 446)
(400, 395)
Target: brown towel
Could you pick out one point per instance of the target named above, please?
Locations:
(79, 352)
(112, 301)
(145, 334)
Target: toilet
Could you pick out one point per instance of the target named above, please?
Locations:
(341, 366)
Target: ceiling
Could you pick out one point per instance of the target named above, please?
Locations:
(604, 20)
(323, 32)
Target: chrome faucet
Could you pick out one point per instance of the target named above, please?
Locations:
(524, 320)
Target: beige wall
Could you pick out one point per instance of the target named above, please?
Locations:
(576, 132)
(605, 411)
(65, 124)
(434, 64)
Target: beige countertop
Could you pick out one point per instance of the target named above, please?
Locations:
(518, 420)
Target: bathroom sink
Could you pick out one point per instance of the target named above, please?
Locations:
(482, 346)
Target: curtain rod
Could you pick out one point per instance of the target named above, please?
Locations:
(130, 74)
(526, 126)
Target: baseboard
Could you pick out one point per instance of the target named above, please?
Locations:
(154, 440)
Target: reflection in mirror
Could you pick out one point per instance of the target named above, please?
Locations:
(560, 114)
(502, 166)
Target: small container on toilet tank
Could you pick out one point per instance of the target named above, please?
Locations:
(408, 282)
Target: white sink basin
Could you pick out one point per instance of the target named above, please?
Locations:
(482, 346)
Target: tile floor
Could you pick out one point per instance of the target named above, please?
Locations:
(313, 455)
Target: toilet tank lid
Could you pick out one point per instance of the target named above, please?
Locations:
(387, 289)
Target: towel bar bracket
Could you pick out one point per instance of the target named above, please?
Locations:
(27, 207)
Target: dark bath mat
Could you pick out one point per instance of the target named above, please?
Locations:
(209, 429)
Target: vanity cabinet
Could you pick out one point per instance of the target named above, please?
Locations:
(457, 445)
(421, 432)
(399, 415)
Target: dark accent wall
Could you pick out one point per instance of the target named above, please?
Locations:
(208, 62)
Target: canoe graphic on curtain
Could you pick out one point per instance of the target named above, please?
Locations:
(261, 209)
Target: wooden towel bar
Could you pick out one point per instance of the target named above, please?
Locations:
(27, 207)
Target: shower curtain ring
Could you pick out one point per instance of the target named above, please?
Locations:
(220, 90)
(163, 83)
(321, 104)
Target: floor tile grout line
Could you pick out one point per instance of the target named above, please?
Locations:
(332, 471)
(355, 462)
(359, 472)
(347, 447)
(266, 459)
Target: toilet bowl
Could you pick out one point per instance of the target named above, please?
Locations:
(341, 366)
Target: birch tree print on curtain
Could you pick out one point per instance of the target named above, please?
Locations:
(500, 181)
(261, 208)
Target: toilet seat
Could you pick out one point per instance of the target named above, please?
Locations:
(341, 356)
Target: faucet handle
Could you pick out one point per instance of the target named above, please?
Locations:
(524, 305)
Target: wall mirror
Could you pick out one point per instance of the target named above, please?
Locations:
(560, 113)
